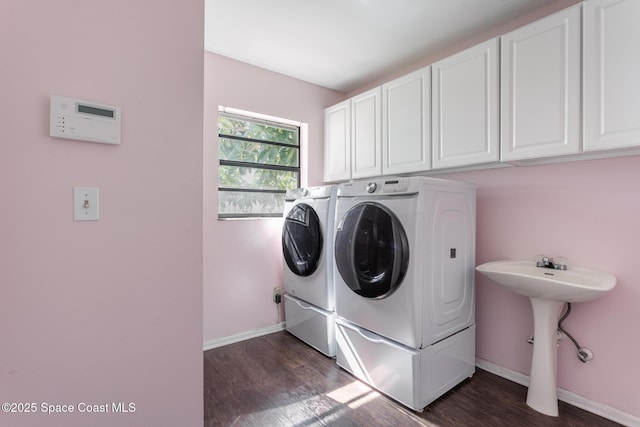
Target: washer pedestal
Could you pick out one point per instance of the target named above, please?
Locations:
(413, 377)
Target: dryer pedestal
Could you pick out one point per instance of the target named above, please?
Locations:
(311, 324)
(413, 377)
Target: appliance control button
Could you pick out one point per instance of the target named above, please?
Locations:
(371, 187)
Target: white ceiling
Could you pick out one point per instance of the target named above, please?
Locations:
(344, 44)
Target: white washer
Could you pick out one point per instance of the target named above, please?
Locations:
(404, 277)
(307, 246)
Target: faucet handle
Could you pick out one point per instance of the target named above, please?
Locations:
(561, 263)
(541, 260)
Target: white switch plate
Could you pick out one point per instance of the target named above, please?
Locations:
(85, 204)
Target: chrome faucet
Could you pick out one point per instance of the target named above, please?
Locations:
(548, 262)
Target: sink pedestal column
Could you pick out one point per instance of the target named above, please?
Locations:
(543, 394)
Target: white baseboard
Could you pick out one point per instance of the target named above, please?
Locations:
(208, 345)
(564, 395)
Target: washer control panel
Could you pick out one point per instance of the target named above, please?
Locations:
(371, 187)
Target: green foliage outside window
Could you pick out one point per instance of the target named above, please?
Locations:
(259, 161)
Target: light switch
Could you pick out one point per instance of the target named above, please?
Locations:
(85, 204)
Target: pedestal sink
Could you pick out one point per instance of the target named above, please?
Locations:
(548, 290)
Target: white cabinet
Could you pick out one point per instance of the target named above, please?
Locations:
(366, 130)
(352, 140)
(406, 106)
(383, 131)
(465, 107)
(337, 142)
(565, 87)
(611, 74)
(540, 88)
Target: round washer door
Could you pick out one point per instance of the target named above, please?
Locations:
(371, 250)
(302, 240)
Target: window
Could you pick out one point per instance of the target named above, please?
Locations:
(259, 162)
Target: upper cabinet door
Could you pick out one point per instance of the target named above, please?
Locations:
(611, 74)
(337, 142)
(465, 107)
(366, 131)
(406, 123)
(540, 92)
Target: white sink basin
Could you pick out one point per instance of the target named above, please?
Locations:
(548, 290)
(572, 285)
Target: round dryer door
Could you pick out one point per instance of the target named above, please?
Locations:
(302, 240)
(371, 250)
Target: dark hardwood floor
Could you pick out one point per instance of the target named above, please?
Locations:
(277, 380)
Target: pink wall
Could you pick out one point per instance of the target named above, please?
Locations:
(589, 212)
(243, 259)
(106, 311)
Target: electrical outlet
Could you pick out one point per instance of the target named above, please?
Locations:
(277, 295)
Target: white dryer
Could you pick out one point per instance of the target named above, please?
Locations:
(307, 247)
(404, 277)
